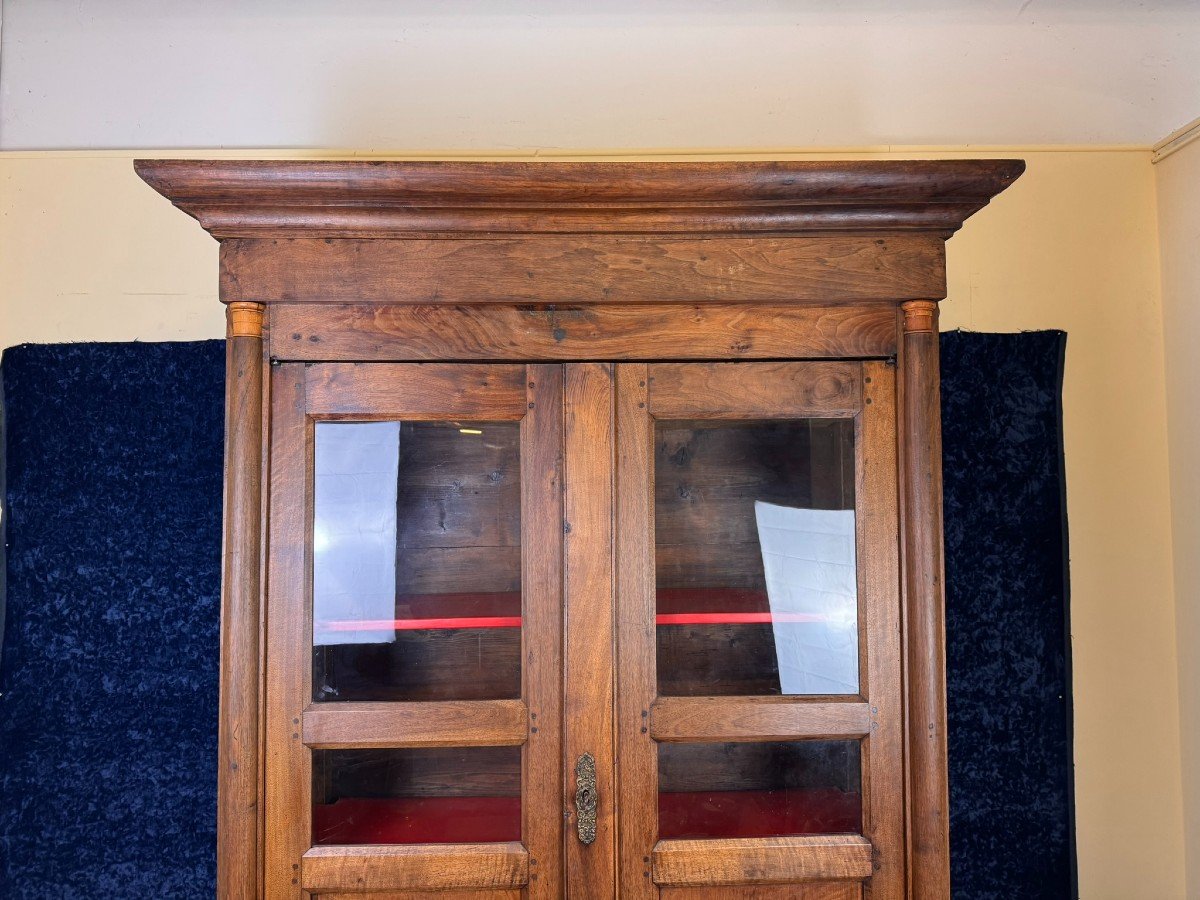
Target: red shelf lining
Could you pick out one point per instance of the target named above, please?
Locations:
(676, 606)
(708, 814)
(421, 624)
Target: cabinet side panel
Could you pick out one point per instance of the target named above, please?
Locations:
(924, 602)
(238, 733)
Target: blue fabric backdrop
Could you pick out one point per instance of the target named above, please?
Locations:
(1007, 628)
(108, 682)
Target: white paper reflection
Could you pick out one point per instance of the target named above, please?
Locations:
(809, 562)
(354, 530)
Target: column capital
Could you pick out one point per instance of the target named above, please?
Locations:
(244, 319)
(920, 316)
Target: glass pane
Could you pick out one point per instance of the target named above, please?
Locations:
(417, 561)
(759, 790)
(755, 557)
(445, 795)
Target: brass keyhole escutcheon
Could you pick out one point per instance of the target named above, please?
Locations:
(585, 798)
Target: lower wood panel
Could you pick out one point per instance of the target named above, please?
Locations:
(748, 861)
(414, 867)
(314, 332)
(812, 891)
(433, 895)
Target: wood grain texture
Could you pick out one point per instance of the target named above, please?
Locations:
(568, 270)
(542, 806)
(236, 198)
(761, 860)
(589, 637)
(924, 605)
(879, 602)
(393, 333)
(467, 723)
(637, 806)
(429, 867)
(754, 390)
(287, 663)
(416, 392)
(456, 490)
(238, 739)
(439, 895)
(816, 890)
(756, 719)
(435, 570)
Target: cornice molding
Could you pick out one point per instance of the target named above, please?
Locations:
(377, 199)
(1176, 141)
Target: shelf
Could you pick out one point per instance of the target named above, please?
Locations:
(734, 618)
(422, 624)
(709, 606)
(440, 612)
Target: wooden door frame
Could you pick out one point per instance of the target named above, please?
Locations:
(294, 725)
(864, 392)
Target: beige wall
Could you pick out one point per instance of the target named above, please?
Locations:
(88, 253)
(1179, 230)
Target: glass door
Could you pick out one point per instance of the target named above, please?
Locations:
(759, 719)
(413, 631)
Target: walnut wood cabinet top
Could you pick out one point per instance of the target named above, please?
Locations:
(368, 199)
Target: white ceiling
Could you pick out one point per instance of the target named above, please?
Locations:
(586, 74)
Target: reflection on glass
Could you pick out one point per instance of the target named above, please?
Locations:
(755, 557)
(759, 789)
(441, 795)
(416, 561)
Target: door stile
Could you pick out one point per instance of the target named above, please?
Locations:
(588, 638)
(879, 592)
(638, 759)
(542, 638)
(288, 762)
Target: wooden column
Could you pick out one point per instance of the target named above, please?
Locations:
(924, 600)
(238, 737)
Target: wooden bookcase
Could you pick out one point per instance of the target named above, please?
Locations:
(582, 526)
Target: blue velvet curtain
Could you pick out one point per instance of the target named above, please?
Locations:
(108, 681)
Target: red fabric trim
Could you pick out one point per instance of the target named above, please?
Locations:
(676, 606)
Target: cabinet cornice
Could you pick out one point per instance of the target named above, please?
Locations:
(369, 199)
